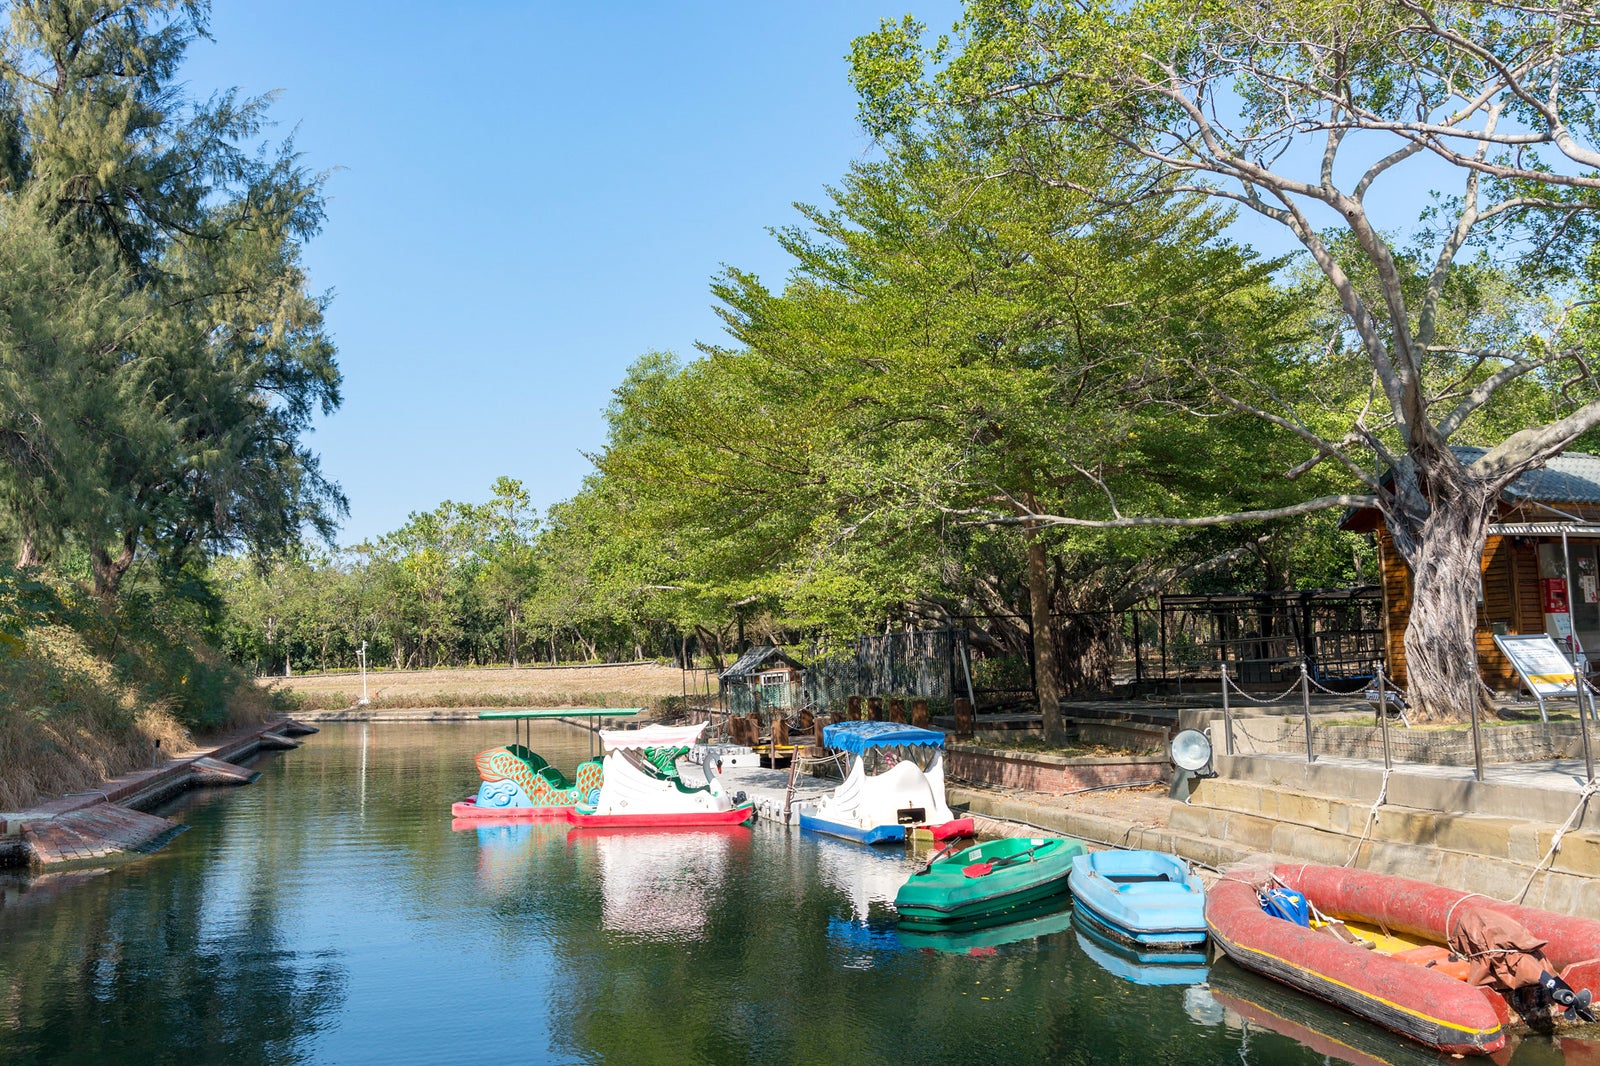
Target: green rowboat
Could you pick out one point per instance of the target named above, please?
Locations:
(987, 878)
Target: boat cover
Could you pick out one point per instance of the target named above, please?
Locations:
(1503, 952)
(857, 737)
(651, 736)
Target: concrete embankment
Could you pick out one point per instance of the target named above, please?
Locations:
(103, 823)
(1528, 834)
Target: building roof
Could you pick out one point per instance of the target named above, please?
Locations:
(764, 657)
(1571, 477)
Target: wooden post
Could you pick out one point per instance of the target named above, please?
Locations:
(919, 713)
(875, 708)
(897, 710)
(963, 716)
(852, 709)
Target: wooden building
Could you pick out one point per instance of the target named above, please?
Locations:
(1540, 568)
(763, 680)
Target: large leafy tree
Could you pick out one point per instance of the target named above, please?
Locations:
(1315, 117)
(949, 343)
(195, 352)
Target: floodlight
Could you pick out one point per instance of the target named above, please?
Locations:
(1191, 751)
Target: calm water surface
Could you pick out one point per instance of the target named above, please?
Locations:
(330, 914)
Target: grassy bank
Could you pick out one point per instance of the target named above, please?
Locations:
(88, 690)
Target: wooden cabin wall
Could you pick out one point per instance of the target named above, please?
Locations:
(1510, 584)
(1499, 605)
(1395, 577)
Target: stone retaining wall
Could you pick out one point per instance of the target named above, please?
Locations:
(1051, 774)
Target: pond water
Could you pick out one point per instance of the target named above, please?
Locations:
(329, 913)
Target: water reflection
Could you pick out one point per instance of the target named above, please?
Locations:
(288, 927)
(662, 884)
(509, 850)
(1141, 967)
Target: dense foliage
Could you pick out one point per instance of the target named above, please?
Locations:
(161, 357)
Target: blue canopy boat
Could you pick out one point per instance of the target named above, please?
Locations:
(1147, 899)
(895, 782)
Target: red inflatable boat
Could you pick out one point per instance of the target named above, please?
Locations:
(1408, 982)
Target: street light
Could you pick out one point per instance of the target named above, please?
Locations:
(363, 656)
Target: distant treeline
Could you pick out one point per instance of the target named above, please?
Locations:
(463, 584)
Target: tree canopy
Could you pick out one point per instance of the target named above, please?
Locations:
(161, 353)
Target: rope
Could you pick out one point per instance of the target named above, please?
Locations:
(1590, 788)
(1372, 816)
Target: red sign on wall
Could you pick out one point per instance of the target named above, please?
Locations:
(1553, 590)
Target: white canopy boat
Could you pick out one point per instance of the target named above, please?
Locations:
(642, 786)
(895, 782)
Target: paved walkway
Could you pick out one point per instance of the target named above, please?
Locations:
(98, 823)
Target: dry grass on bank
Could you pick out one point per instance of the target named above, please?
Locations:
(640, 685)
(69, 721)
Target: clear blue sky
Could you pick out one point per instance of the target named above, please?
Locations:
(529, 196)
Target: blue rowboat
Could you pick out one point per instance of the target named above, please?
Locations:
(1147, 899)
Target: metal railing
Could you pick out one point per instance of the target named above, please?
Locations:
(1383, 694)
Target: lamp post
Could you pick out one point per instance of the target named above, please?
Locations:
(362, 654)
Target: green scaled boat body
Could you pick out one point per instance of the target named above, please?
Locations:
(987, 878)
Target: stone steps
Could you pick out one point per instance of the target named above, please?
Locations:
(1543, 796)
(1497, 855)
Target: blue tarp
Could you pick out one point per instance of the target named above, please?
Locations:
(857, 737)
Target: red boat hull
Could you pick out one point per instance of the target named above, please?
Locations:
(960, 827)
(686, 819)
(1419, 1003)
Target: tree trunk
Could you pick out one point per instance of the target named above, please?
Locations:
(1046, 682)
(28, 551)
(1084, 647)
(1445, 557)
(108, 572)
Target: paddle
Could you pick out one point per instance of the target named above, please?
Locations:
(983, 869)
(935, 857)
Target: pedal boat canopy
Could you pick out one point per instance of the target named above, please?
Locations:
(856, 738)
(651, 736)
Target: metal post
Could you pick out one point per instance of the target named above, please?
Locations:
(363, 654)
(1383, 715)
(1138, 653)
(1585, 709)
(1305, 709)
(1477, 742)
(1227, 715)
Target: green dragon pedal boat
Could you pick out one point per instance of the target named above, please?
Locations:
(987, 878)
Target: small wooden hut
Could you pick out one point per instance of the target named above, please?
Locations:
(763, 680)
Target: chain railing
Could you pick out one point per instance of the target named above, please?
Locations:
(1384, 693)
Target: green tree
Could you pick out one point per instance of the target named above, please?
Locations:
(1304, 113)
(507, 570)
(195, 352)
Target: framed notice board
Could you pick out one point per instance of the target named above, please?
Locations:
(1542, 665)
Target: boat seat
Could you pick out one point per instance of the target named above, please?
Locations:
(1135, 879)
(650, 762)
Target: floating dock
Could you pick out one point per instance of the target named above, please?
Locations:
(778, 795)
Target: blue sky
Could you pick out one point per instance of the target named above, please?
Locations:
(528, 197)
